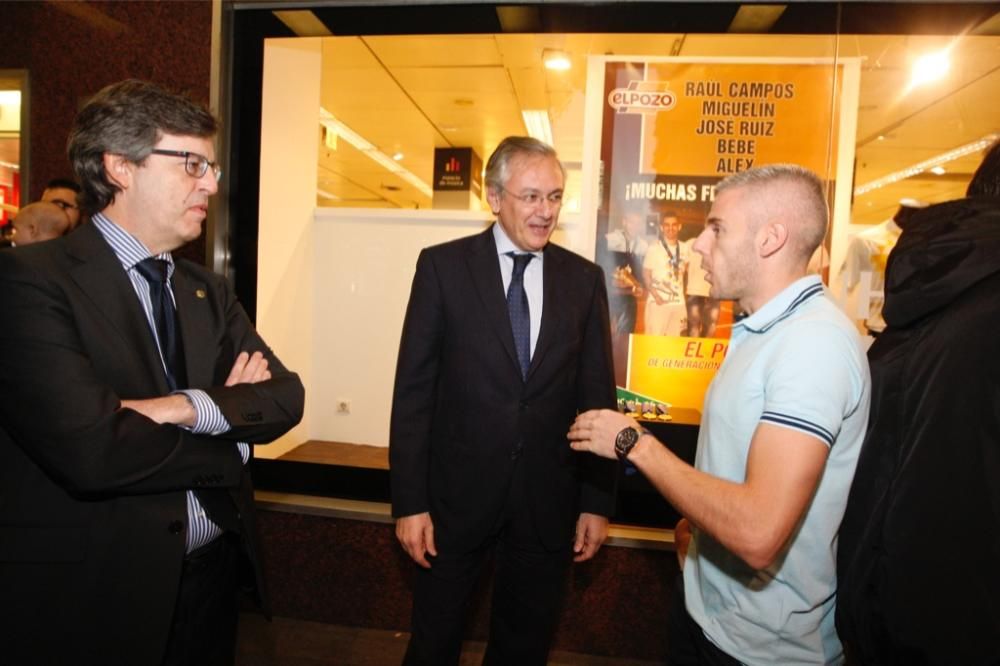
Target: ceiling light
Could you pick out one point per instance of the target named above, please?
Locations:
(938, 170)
(557, 61)
(323, 194)
(328, 121)
(930, 67)
(398, 156)
(920, 167)
(537, 123)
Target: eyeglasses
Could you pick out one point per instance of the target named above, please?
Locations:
(534, 199)
(196, 165)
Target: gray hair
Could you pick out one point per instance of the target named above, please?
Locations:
(809, 207)
(497, 167)
(127, 118)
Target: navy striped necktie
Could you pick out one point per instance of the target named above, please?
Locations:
(165, 318)
(520, 315)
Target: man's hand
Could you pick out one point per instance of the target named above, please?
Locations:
(591, 531)
(595, 431)
(248, 369)
(682, 539)
(416, 534)
(175, 409)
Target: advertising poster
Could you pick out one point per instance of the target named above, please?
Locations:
(670, 131)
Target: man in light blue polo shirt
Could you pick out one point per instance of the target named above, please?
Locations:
(784, 420)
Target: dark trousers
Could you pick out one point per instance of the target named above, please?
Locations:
(687, 644)
(203, 630)
(528, 587)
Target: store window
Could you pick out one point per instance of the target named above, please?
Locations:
(12, 86)
(642, 120)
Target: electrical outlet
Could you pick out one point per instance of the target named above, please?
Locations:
(343, 406)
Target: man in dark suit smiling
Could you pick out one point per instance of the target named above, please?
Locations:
(132, 384)
(506, 338)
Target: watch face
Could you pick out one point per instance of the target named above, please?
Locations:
(624, 442)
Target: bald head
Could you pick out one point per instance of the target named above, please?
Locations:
(40, 222)
(789, 194)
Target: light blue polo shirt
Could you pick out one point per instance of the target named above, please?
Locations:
(797, 363)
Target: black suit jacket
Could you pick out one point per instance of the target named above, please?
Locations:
(92, 497)
(462, 413)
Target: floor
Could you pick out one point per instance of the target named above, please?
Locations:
(289, 642)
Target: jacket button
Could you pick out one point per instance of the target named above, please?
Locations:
(175, 527)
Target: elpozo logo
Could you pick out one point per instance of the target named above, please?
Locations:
(643, 97)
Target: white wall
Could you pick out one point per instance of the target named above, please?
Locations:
(288, 164)
(364, 261)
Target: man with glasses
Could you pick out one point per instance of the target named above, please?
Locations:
(506, 338)
(133, 384)
(64, 193)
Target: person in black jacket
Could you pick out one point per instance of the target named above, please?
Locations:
(133, 383)
(931, 457)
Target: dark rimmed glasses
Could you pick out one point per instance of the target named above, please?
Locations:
(194, 164)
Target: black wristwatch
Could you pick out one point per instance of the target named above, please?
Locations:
(625, 441)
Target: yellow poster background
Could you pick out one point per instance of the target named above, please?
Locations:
(753, 114)
(675, 369)
(725, 117)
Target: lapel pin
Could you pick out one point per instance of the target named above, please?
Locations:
(200, 293)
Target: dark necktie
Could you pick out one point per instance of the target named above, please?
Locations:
(216, 501)
(520, 316)
(165, 318)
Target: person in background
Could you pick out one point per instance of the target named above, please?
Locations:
(783, 422)
(39, 222)
(628, 248)
(931, 457)
(133, 383)
(65, 193)
(664, 273)
(506, 338)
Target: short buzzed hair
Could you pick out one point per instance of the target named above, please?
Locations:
(810, 207)
(497, 171)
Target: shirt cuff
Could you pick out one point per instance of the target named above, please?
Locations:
(208, 417)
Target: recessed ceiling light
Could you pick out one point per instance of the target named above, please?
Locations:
(881, 137)
(938, 170)
(398, 156)
(930, 67)
(555, 60)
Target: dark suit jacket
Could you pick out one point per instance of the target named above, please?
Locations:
(92, 497)
(461, 412)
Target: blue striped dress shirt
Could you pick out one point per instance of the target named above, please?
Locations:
(209, 419)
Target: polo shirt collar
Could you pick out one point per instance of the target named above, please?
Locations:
(783, 305)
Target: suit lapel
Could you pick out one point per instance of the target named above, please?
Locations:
(102, 279)
(553, 302)
(191, 297)
(484, 266)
